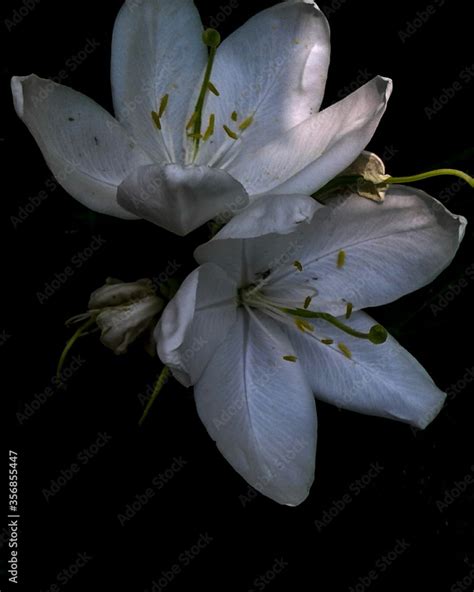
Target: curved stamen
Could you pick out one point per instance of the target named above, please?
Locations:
(376, 335)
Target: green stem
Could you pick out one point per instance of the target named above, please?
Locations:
(82, 329)
(429, 174)
(160, 383)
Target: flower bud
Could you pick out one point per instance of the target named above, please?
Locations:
(115, 292)
(124, 311)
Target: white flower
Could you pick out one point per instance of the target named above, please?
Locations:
(177, 154)
(262, 360)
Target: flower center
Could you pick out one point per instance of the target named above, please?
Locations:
(194, 127)
(295, 310)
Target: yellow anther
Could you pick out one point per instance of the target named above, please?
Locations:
(345, 350)
(298, 265)
(246, 123)
(234, 116)
(195, 136)
(290, 358)
(190, 123)
(210, 129)
(163, 105)
(341, 259)
(304, 326)
(307, 302)
(156, 119)
(349, 309)
(327, 341)
(213, 89)
(230, 133)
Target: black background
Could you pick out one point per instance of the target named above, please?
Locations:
(204, 499)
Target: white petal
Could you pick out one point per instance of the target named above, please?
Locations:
(262, 220)
(273, 68)
(260, 410)
(391, 249)
(196, 322)
(179, 198)
(306, 157)
(382, 380)
(157, 49)
(87, 150)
